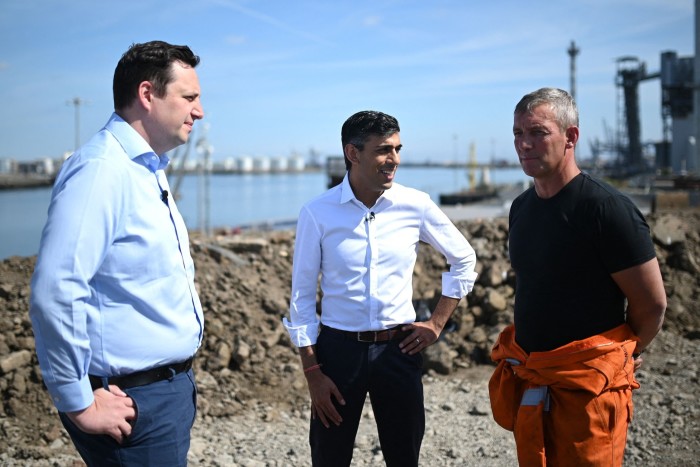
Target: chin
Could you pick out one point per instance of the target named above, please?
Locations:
(530, 169)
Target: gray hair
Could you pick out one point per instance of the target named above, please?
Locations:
(558, 100)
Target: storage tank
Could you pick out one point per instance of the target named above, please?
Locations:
(261, 164)
(244, 164)
(279, 164)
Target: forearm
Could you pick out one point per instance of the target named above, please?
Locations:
(645, 324)
(442, 312)
(62, 350)
(308, 356)
(646, 300)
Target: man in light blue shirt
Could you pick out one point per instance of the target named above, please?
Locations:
(362, 238)
(114, 309)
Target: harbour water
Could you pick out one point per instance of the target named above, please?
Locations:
(235, 200)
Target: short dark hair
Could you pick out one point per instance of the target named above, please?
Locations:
(150, 61)
(360, 126)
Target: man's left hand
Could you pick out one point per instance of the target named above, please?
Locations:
(423, 334)
(638, 362)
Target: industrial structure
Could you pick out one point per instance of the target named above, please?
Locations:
(673, 153)
(573, 51)
(677, 153)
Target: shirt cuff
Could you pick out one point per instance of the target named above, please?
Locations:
(73, 396)
(303, 335)
(458, 287)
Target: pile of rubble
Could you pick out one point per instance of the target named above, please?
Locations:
(246, 356)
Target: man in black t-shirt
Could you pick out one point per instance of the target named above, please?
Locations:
(565, 251)
(587, 283)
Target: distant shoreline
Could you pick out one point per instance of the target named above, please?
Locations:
(22, 181)
(14, 181)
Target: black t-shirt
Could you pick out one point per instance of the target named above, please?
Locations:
(563, 250)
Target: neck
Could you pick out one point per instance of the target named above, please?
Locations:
(546, 188)
(367, 197)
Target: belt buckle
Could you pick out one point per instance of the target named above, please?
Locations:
(360, 339)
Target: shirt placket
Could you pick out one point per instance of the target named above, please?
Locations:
(180, 233)
(373, 272)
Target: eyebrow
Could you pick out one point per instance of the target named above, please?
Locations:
(534, 126)
(384, 147)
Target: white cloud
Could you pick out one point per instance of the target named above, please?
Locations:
(371, 21)
(236, 40)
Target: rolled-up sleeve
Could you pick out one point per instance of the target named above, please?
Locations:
(440, 232)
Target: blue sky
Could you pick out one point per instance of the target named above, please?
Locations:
(280, 77)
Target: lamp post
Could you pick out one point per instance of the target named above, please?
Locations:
(76, 102)
(573, 51)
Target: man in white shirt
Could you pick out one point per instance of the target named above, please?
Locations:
(362, 237)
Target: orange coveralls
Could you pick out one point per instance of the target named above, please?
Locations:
(569, 406)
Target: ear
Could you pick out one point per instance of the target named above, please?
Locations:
(571, 136)
(351, 153)
(145, 94)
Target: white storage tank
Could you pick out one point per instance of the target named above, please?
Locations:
(245, 164)
(279, 164)
(297, 164)
(229, 164)
(261, 164)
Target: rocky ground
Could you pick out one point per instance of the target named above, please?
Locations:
(253, 405)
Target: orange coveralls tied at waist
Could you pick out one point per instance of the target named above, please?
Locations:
(567, 406)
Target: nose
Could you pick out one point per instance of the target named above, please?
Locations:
(198, 111)
(394, 157)
(521, 142)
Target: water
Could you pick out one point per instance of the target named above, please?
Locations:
(22, 216)
(235, 200)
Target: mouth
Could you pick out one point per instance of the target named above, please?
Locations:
(527, 158)
(388, 173)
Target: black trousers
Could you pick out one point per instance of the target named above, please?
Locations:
(393, 381)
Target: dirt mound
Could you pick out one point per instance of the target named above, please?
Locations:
(247, 359)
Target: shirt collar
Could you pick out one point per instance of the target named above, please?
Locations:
(134, 145)
(346, 193)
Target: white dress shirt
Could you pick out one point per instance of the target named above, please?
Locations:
(365, 258)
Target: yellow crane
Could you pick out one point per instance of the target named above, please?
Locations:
(472, 166)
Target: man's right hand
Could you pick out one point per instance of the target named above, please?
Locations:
(111, 414)
(322, 390)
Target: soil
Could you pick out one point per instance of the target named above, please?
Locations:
(253, 404)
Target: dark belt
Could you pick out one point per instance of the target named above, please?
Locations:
(142, 378)
(371, 336)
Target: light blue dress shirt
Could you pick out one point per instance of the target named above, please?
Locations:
(113, 289)
(365, 258)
